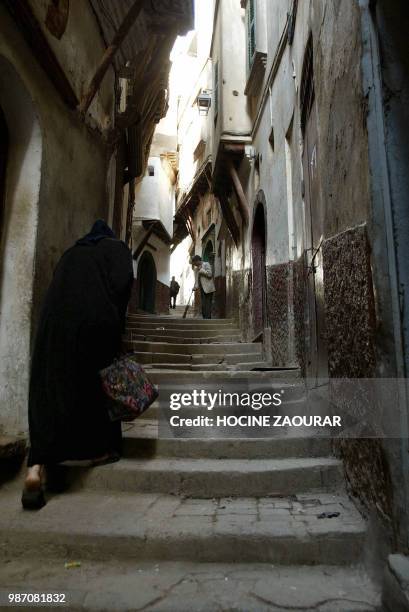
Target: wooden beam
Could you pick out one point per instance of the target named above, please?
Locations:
(144, 241)
(109, 54)
(241, 196)
(229, 217)
(37, 41)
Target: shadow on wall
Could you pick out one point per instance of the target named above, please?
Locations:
(18, 242)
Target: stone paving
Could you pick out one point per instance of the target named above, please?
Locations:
(190, 587)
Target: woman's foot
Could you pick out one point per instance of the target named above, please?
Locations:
(33, 496)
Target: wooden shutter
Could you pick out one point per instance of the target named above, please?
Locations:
(251, 31)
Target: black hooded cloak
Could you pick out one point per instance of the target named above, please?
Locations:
(79, 334)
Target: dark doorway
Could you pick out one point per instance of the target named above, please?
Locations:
(208, 253)
(316, 349)
(4, 145)
(258, 253)
(146, 282)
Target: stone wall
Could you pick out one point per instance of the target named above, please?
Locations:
(351, 335)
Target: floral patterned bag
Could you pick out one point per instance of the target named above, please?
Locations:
(129, 390)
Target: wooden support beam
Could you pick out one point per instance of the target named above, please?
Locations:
(241, 196)
(144, 241)
(37, 41)
(229, 217)
(109, 54)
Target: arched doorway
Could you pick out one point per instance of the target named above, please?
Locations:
(208, 253)
(146, 282)
(258, 253)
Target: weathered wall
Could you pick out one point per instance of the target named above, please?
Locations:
(72, 192)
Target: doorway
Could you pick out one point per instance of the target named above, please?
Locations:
(4, 147)
(316, 349)
(208, 253)
(258, 253)
(146, 282)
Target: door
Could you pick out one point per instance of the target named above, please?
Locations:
(316, 357)
(258, 253)
(146, 282)
(4, 143)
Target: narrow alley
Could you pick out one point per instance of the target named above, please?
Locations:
(212, 194)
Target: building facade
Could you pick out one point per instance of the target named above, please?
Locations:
(299, 191)
(75, 139)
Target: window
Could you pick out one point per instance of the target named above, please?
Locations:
(216, 89)
(209, 216)
(251, 30)
(151, 170)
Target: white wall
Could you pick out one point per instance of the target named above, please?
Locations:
(18, 243)
(154, 196)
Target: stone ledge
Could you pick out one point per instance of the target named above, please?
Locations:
(12, 447)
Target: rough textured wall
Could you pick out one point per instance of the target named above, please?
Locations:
(277, 311)
(349, 305)
(351, 328)
(299, 293)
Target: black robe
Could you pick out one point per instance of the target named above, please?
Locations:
(79, 333)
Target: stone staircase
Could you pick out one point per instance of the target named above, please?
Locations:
(186, 524)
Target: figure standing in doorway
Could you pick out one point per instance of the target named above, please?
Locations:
(174, 290)
(204, 281)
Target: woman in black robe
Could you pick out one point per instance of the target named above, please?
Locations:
(79, 333)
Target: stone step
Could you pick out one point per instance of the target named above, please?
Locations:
(182, 334)
(123, 585)
(82, 525)
(158, 320)
(208, 367)
(196, 360)
(182, 330)
(197, 324)
(208, 478)
(188, 339)
(197, 349)
(140, 439)
(217, 377)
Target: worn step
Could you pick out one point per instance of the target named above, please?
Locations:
(177, 326)
(218, 378)
(140, 439)
(188, 339)
(208, 478)
(124, 585)
(191, 349)
(196, 360)
(208, 367)
(98, 525)
(182, 334)
(153, 319)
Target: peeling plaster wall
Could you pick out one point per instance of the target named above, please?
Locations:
(18, 241)
(72, 194)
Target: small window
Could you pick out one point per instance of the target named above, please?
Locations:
(151, 170)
